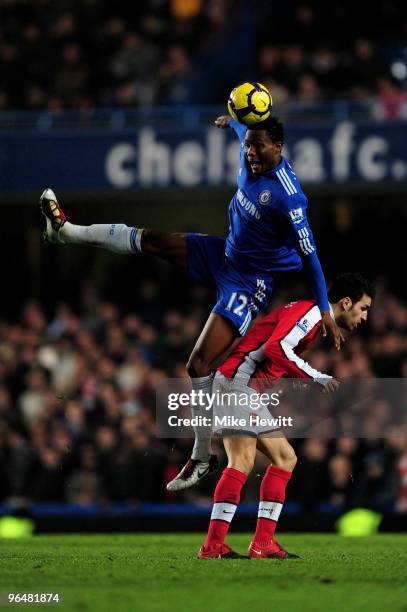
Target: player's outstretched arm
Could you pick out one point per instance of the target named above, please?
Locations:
(285, 338)
(222, 122)
(328, 325)
(314, 273)
(316, 279)
(225, 121)
(313, 270)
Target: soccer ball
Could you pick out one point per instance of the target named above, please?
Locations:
(250, 103)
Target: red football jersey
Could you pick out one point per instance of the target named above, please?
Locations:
(273, 346)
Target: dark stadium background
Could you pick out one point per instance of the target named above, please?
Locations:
(84, 334)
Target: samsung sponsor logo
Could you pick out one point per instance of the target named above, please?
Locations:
(247, 205)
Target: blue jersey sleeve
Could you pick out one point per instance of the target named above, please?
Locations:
(239, 128)
(296, 213)
(316, 279)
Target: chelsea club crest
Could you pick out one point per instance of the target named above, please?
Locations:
(265, 197)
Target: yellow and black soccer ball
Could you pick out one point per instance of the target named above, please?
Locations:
(250, 103)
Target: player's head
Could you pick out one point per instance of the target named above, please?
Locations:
(263, 144)
(351, 296)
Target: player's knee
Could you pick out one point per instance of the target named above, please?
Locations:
(151, 241)
(292, 461)
(286, 460)
(171, 247)
(243, 461)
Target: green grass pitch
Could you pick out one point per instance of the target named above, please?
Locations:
(160, 572)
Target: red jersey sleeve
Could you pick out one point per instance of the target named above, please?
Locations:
(298, 324)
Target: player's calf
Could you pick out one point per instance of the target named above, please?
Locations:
(226, 499)
(116, 237)
(272, 497)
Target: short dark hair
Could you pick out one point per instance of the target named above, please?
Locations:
(273, 126)
(350, 284)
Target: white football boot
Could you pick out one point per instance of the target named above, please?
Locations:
(54, 217)
(192, 472)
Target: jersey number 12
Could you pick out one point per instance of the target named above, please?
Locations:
(242, 299)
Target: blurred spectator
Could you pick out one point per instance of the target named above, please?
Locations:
(365, 67)
(32, 399)
(310, 478)
(72, 75)
(340, 481)
(48, 478)
(136, 63)
(308, 90)
(294, 67)
(401, 500)
(397, 447)
(84, 486)
(174, 77)
(391, 99)
(327, 66)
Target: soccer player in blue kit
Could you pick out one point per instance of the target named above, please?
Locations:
(268, 234)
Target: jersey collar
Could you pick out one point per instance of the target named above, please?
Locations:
(276, 168)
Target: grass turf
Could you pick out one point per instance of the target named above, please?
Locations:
(160, 573)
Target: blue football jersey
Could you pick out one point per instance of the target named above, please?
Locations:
(268, 227)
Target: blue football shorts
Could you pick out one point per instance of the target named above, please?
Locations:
(240, 296)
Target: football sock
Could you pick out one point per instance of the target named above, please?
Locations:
(226, 499)
(116, 237)
(272, 496)
(202, 445)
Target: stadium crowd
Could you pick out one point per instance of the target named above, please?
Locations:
(86, 54)
(77, 407)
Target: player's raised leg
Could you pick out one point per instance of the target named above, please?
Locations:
(216, 338)
(272, 495)
(219, 332)
(241, 452)
(116, 237)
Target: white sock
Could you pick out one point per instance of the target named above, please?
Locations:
(116, 237)
(202, 446)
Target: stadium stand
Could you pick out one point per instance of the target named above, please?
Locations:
(194, 52)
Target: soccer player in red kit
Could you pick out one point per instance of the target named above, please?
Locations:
(272, 350)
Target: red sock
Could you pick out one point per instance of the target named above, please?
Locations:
(226, 499)
(272, 496)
